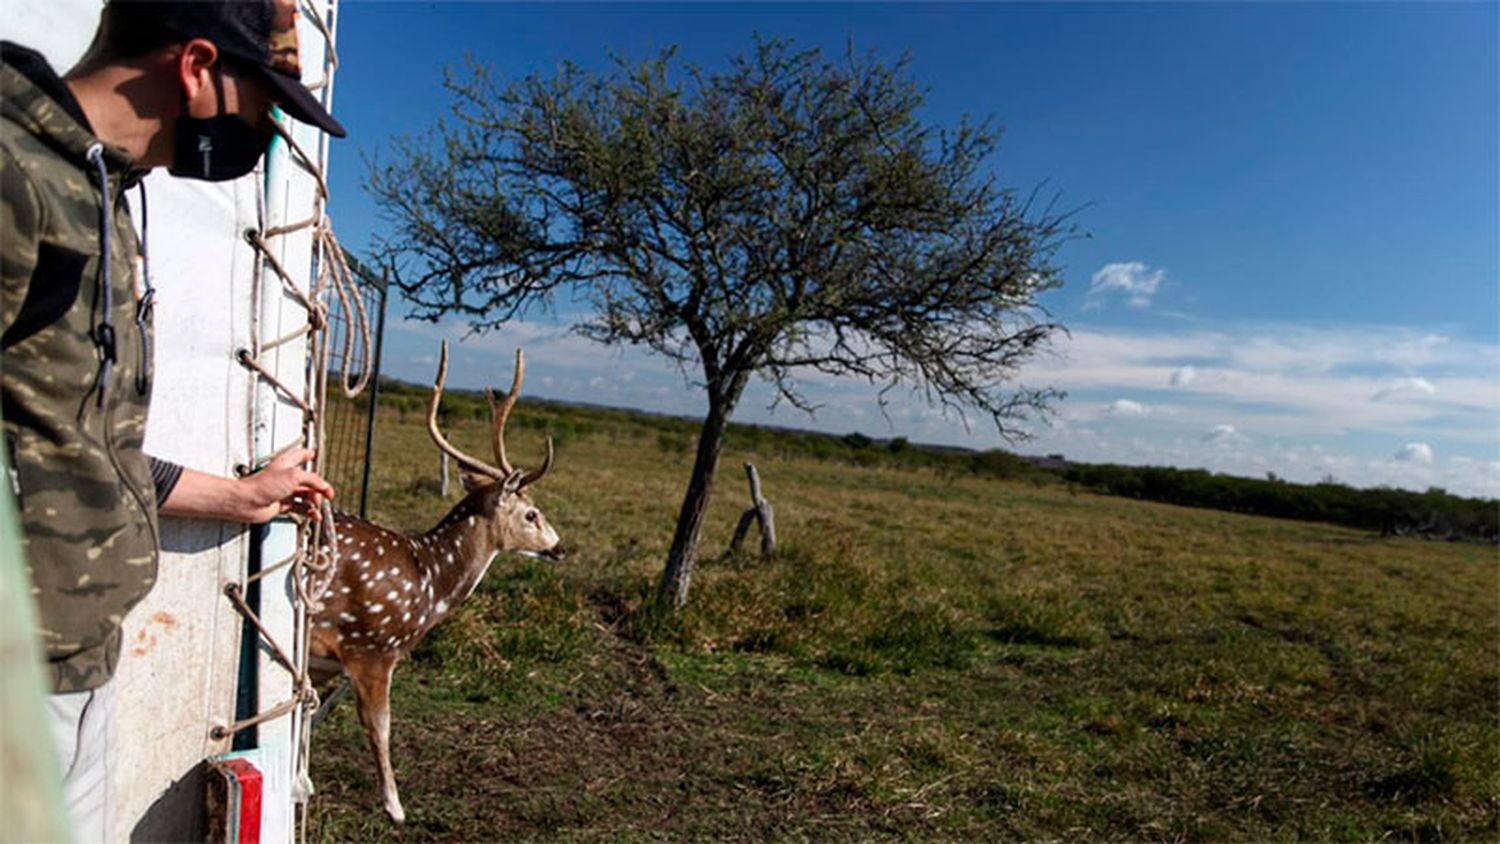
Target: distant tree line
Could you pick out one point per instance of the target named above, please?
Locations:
(1434, 514)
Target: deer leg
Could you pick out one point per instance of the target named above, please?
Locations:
(372, 685)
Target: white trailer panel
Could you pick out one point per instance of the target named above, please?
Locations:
(179, 669)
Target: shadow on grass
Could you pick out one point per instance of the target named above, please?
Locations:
(1037, 620)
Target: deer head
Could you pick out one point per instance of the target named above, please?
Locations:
(499, 492)
(388, 588)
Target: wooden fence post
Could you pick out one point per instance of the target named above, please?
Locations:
(760, 510)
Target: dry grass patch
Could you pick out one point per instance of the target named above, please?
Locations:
(930, 657)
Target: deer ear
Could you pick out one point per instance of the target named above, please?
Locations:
(513, 482)
(473, 480)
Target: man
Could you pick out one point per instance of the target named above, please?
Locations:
(182, 85)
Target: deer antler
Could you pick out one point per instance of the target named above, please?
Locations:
(437, 436)
(536, 474)
(499, 412)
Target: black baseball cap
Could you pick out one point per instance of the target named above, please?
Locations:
(259, 35)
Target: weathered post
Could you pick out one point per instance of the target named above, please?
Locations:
(443, 484)
(760, 509)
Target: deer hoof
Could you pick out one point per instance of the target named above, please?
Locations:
(398, 815)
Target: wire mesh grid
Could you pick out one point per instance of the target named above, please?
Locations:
(349, 424)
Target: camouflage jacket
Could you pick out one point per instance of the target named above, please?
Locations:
(74, 372)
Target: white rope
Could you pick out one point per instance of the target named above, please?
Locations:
(336, 274)
(315, 559)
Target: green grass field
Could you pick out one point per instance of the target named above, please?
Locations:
(927, 657)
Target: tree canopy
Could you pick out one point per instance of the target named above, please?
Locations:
(790, 213)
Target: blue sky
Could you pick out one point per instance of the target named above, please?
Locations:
(1293, 261)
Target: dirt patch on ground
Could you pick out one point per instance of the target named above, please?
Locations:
(628, 752)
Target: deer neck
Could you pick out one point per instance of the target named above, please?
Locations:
(457, 552)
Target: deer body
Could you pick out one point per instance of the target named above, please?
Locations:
(389, 588)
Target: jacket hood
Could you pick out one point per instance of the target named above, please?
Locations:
(35, 98)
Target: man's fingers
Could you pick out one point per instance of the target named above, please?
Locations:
(308, 480)
(308, 503)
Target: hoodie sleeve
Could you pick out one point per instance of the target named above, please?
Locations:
(20, 220)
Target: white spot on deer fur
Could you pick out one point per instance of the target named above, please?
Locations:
(450, 558)
(406, 616)
(377, 607)
(343, 616)
(442, 607)
(391, 595)
(471, 521)
(385, 621)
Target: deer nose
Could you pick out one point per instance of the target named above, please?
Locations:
(556, 553)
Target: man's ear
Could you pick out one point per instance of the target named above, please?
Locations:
(194, 71)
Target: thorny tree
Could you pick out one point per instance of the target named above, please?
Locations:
(789, 214)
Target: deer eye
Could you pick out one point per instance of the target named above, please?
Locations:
(530, 515)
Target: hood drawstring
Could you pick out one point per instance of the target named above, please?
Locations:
(147, 299)
(104, 332)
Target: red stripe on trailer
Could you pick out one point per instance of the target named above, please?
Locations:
(244, 800)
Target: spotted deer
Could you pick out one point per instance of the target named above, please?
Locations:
(390, 588)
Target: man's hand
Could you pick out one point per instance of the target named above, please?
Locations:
(283, 485)
(280, 486)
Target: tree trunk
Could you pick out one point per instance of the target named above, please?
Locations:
(678, 575)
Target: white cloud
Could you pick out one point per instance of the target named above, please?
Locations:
(1415, 351)
(1463, 474)
(1404, 387)
(1183, 376)
(1330, 348)
(1288, 388)
(1224, 435)
(1297, 462)
(1132, 278)
(1288, 381)
(1414, 453)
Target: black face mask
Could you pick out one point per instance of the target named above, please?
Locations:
(218, 148)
